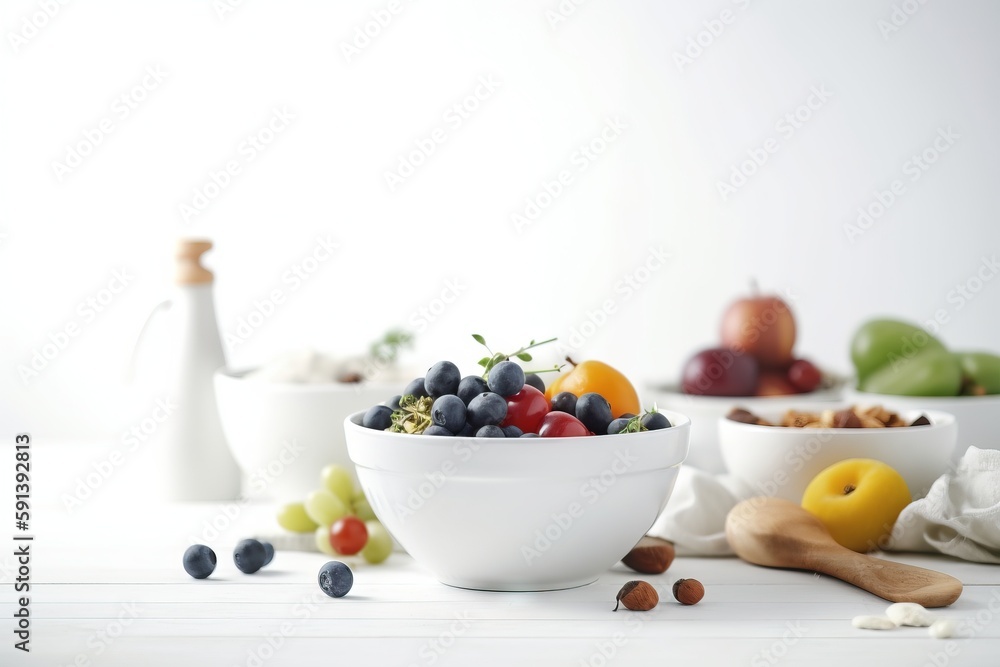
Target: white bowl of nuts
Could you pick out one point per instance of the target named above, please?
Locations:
(517, 514)
(705, 412)
(778, 454)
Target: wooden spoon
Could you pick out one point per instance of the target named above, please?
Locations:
(778, 533)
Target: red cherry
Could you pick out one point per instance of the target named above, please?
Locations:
(348, 536)
(561, 425)
(525, 409)
(804, 375)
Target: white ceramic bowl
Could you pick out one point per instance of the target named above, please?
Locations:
(781, 461)
(517, 515)
(705, 411)
(282, 434)
(976, 415)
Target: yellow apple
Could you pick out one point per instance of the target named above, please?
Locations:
(858, 500)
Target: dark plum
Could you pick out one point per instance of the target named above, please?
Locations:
(720, 372)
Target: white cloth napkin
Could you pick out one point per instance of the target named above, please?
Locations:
(695, 516)
(960, 516)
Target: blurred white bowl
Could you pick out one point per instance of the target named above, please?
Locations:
(521, 514)
(976, 415)
(781, 461)
(282, 433)
(705, 411)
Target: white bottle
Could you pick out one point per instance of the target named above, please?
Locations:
(197, 463)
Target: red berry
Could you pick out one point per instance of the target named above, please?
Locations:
(561, 425)
(348, 536)
(804, 375)
(525, 409)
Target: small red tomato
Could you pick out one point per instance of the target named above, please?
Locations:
(804, 375)
(561, 425)
(348, 536)
(525, 409)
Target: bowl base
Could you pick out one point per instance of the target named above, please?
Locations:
(501, 587)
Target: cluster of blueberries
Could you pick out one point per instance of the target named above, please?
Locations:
(471, 406)
(335, 578)
(249, 555)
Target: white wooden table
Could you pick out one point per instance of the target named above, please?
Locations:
(107, 588)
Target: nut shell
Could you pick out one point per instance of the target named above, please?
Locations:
(637, 596)
(688, 591)
(651, 555)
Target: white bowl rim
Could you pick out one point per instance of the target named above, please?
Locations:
(932, 399)
(824, 395)
(353, 421)
(518, 458)
(939, 420)
(227, 374)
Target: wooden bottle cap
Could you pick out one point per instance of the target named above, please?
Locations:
(189, 268)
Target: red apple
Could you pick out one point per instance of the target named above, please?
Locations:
(771, 383)
(762, 326)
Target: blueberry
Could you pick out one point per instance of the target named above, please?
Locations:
(529, 435)
(416, 388)
(393, 403)
(487, 408)
(199, 561)
(490, 431)
(627, 415)
(336, 579)
(655, 420)
(434, 429)
(468, 431)
(618, 425)
(564, 402)
(594, 411)
(442, 378)
(268, 553)
(249, 556)
(449, 411)
(511, 431)
(506, 378)
(378, 417)
(535, 381)
(470, 387)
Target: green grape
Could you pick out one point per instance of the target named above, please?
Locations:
(293, 517)
(323, 541)
(324, 508)
(363, 510)
(379, 544)
(339, 482)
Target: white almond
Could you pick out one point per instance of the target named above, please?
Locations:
(909, 613)
(942, 629)
(873, 623)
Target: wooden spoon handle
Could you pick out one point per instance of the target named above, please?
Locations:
(895, 582)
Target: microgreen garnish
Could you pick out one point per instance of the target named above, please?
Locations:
(495, 358)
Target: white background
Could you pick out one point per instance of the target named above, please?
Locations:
(655, 186)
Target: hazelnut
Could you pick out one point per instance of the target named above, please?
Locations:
(846, 419)
(651, 555)
(637, 596)
(742, 415)
(688, 591)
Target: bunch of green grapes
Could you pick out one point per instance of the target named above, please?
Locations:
(340, 517)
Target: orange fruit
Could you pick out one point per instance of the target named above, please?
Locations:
(598, 377)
